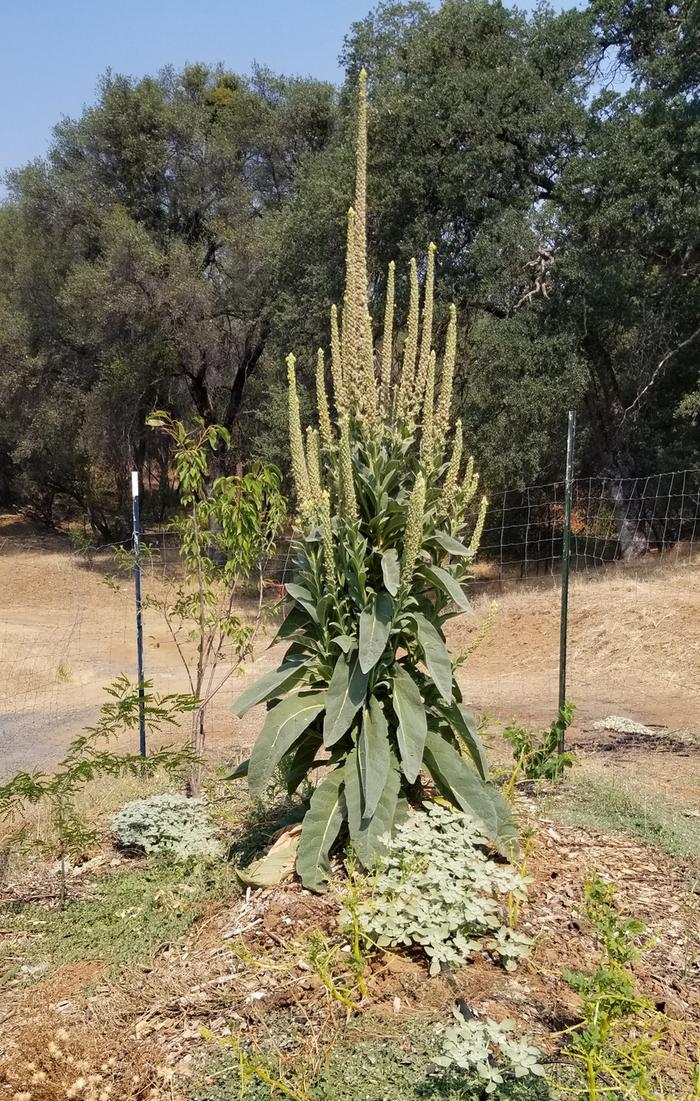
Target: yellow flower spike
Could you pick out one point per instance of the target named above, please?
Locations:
(410, 349)
(479, 529)
(328, 556)
(387, 341)
(413, 535)
(427, 438)
(427, 326)
(444, 406)
(296, 441)
(324, 417)
(449, 488)
(349, 330)
(347, 485)
(336, 362)
(360, 220)
(313, 465)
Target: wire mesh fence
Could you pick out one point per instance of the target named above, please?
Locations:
(64, 634)
(611, 519)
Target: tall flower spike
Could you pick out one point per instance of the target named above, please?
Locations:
(427, 435)
(387, 341)
(336, 362)
(349, 328)
(479, 529)
(369, 380)
(442, 416)
(327, 526)
(347, 485)
(296, 443)
(449, 488)
(324, 417)
(360, 226)
(313, 465)
(410, 349)
(427, 326)
(413, 536)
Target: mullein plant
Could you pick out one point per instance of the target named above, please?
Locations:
(366, 687)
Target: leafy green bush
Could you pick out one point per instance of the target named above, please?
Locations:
(381, 557)
(537, 755)
(167, 823)
(437, 888)
(490, 1050)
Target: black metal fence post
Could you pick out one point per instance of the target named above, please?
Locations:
(136, 527)
(566, 551)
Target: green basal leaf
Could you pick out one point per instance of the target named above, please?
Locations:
(461, 785)
(375, 624)
(413, 725)
(371, 835)
(373, 754)
(304, 599)
(436, 656)
(345, 696)
(444, 581)
(291, 673)
(283, 725)
(353, 792)
(391, 570)
(303, 759)
(319, 831)
(295, 620)
(239, 772)
(464, 724)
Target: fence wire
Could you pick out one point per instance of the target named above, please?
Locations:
(611, 519)
(64, 635)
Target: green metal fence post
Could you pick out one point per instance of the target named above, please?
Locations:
(566, 551)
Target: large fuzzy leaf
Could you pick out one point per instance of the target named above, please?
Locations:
(436, 656)
(276, 866)
(463, 722)
(320, 829)
(391, 570)
(283, 725)
(447, 584)
(288, 675)
(303, 758)
(450, 544)
(295, 620)
(353, 791)
(369, 834)
(413, 726)
(304, 599)
(375, 624)
(373, 754)
(461, 784)
(345, 696)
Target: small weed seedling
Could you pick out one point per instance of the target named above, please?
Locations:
(615, 1048)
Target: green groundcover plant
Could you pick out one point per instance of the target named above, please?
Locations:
(383, 497)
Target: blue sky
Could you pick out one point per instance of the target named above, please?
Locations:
(53, 51)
